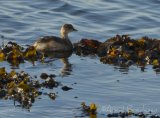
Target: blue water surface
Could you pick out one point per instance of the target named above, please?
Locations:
(109, 87)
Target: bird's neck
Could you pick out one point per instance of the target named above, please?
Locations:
(64, 35)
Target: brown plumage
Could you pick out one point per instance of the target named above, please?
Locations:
(53, 43)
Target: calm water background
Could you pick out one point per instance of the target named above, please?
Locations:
(23, 21)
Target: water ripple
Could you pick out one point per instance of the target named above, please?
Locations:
(24, 21)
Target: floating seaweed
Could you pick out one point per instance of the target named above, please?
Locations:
(92, 109)
(16, 54)
(86, 47)
(122, 50)
(12, 52)
(130, 113)
(30, 54)
(18, 86)
(52, 96)
(66, 88)
(92, 112)
(50, 83)
(118, 50)
(21, 88)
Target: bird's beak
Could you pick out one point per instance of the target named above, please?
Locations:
(75, 29)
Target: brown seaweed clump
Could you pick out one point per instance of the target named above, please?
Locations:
(122, 50)
(22, 88)
(131, 113)
(15, 54)
(92, 109)
(86, 47)
(19, 87)
(92, 112)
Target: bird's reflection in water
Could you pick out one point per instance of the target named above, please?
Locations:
(63, 56)
(67, 68)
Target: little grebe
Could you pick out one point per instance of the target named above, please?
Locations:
(57, 44)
